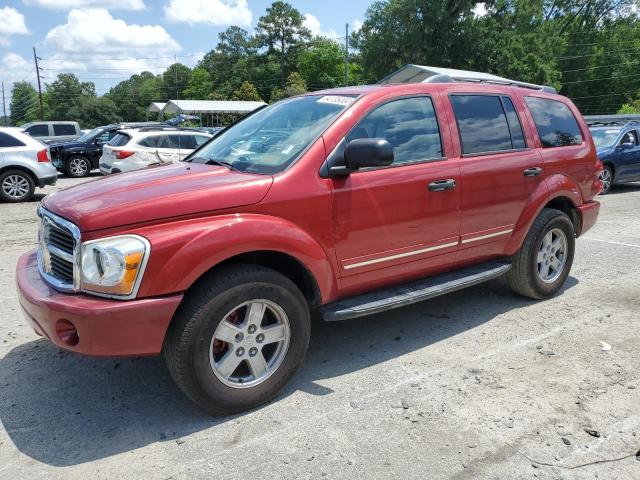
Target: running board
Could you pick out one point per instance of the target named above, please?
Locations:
(402, 295)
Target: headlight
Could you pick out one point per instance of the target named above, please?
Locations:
(114, 266)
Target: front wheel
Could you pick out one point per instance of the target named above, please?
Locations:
(542, 265)
(78, 167)
(238, 338)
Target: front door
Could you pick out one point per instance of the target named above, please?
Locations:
(628, 157)
(397, 223)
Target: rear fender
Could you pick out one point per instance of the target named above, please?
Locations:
(555, 186)
(182, 252)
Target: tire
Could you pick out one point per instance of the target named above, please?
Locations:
(16, 186)
(606, 177)
(195, 357)
(77, 166)
(527, 276)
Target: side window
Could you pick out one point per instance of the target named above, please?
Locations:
(482, 123)
(106, 136)
(119, 140)
(41, 130)
(187, 141)
(630, 137)
(515, 128)
(7, 140)
(556, 125)
(408, 124)
(201, 139)
(63, 129)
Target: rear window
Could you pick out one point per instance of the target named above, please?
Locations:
(7, 140)
(119, 140)
(38, 130)
(201, 139)
(556, 125)
(482, 123)
(183, 141)
(64, 129)
(150, 142)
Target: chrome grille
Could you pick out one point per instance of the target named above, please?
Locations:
(58, 251)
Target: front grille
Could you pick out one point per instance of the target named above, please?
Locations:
(59, 243)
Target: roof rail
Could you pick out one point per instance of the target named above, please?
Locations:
(422, 74)
(612, 119)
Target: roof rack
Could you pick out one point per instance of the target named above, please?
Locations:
(422, 74)
(168, 128)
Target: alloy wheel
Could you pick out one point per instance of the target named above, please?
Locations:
(78, 167)
(605, 178)
(250, 343)
(15, 186)
(552, 255)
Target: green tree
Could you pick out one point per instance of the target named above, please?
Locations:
(175, 80)
(322, 63)
(199, 86)
(24, 103)
(63, 93)
(295, 86)
(247, 91)
(282, 31)
(632, 108)
(91, 112)
(133, 96)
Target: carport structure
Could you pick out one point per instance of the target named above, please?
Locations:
(156, 107)
(212, 113)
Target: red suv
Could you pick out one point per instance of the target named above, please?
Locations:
(344, 202)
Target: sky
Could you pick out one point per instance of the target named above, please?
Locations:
(105, 41)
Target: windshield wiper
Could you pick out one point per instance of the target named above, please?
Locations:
(211, 161)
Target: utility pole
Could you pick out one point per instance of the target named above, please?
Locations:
(4, 106)
(35, 59)
(346, 54)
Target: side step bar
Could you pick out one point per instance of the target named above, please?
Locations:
(402, 295)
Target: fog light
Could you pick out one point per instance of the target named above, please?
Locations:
(67, 333)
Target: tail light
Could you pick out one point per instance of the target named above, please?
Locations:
(120, 154)
(43, 156)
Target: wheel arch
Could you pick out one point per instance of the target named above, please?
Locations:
(31, 173)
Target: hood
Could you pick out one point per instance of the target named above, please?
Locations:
(155, 193)
(60, 146)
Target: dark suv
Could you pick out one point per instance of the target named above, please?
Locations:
(79, 157)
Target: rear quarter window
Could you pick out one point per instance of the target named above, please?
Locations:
(7, 141)
(556, 125)
(38, 130)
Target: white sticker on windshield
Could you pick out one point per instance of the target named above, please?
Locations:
(336, 100)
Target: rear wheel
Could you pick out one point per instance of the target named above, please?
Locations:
(542, 265)
(238, 338)
(16, 186)
(78, 166)
(606, 177)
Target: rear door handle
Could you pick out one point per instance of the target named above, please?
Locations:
(441, 185)
(532, 172)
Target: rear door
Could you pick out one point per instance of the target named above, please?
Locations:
(500, 167)
(390, 223)
(64, 132)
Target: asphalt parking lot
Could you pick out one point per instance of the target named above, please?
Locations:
(477, 384)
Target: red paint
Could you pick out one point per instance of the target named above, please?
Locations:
(196, 216)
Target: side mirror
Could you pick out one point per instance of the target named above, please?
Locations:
(99, 142)
(368, 152)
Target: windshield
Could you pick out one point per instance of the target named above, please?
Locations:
(270, 140)
(89, 135)
(604, 137)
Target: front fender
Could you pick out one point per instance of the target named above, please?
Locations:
(554, 186)
(182, 252)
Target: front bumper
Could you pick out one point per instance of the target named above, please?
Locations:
(92, 325)
(588, 215)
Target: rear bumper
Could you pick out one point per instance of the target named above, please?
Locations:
(588, 215)
(92, 325)
(44, 181)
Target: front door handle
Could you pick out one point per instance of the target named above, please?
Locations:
(441, 185)
(532, 172)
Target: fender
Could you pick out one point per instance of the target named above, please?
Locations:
(554, 186)
(181, 252)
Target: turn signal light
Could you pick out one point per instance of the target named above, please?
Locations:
(43, 156)
(120, 154)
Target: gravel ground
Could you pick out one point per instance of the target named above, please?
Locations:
(476, 384)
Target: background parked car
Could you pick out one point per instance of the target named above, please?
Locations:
(132, 149)
(24, 163)
(79, 157)
(617, 140)
(55, 131)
